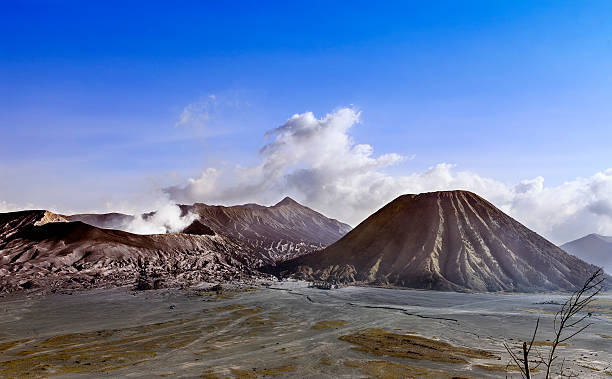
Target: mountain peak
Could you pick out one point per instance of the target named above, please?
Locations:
(48, 217)
(196, 227)
(594, 248)
(592, 237)
(443, 194)
(287, 201)
(601, 237)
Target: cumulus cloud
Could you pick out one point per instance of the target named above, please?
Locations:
(311, 156)
(316, 161)
(167, 218)
(566, 211)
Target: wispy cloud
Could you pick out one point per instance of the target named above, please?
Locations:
(207, 109)
(198, 113)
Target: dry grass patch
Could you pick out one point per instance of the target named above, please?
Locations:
(502, 368)
(97, 351)
(230, 307)
(276, 371)
(537, 310)
(381, 342)
(252, 374)
(10, 344)
(548, 343)
(390, 370)
(209, 374)
(590, 368)
(243, 374)
(329, 324)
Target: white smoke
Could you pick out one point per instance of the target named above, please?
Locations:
(317, 162)
(166, 219)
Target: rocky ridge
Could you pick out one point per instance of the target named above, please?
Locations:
(285, 230)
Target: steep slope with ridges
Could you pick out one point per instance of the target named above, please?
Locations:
(282, 231)
(450, 240)
(285, 230)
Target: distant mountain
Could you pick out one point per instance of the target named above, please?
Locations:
(46, 250)
(279, 232)
(39, 249)
(451, 240)
(594, 248)
(284, 230)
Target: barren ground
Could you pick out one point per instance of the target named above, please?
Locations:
(285, 330)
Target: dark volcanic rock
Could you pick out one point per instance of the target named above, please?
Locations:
(198, 228)
(42, 249)
(452, 240)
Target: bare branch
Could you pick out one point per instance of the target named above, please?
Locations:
(535, 331)
(581, 329)
(566, 318)
(575, 304)
(515, 359)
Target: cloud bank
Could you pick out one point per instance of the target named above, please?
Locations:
(317, 162)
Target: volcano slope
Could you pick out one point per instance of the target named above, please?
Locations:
(39, 249)
(285, 230)
(451, 240)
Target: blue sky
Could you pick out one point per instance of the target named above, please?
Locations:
(91, 93)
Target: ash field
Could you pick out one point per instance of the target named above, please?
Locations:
(287, 329)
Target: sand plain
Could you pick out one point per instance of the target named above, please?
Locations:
(286, 329)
